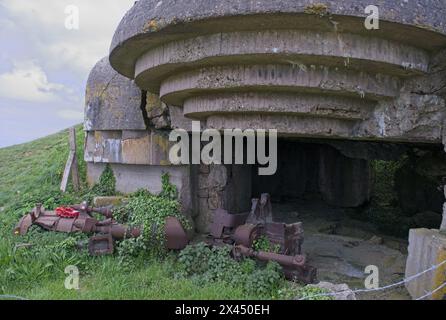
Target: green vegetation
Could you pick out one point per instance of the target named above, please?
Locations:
(263, 244)
(107, 183)
(384, 210)
(206, 265)
(318, 9)
(384, 194)
(150, 211)
(305, 293)
(33, 266)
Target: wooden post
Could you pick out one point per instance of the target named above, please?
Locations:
(72, 165)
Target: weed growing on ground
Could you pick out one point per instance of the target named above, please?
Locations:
(205, 264)
(150, 212)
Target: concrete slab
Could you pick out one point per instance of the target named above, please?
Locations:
(426, 249)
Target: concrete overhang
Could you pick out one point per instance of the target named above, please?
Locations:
(306, 68)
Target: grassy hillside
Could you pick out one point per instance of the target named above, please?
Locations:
(33, 266)
(30, 166)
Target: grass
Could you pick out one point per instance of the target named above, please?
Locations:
(147, 280)
(23, 168)
(31, 173)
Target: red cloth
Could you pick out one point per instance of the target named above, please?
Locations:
(66, 212)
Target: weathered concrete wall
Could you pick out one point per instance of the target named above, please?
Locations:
(122, 126)
(443, 222)
(141, 147)
(221, 186)
(317, 169)
(344, 182)
(426, 249)
(130, 178)
(297, 172)
(112, 102)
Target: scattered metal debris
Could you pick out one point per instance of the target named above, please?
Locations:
(79, 218)
(261, 211)
(239, 230)
(294, 267)
(242, 230)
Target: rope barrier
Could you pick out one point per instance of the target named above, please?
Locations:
(432, 292)
(12, 297)
(404, 281)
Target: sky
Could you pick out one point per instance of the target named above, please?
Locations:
(45, 63)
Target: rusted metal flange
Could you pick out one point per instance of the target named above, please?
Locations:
(246, 234)
(176, 236)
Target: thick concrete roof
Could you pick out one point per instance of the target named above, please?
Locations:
(151, 22)
(112, 102)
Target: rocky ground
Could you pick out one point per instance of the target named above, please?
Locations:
(341, 248)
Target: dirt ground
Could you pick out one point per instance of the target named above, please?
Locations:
(341, 248)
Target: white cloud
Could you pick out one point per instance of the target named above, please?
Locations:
(6, 25)
(28, 82)
(50, 89)
(77, 50)
(71, 114)
(74, 55)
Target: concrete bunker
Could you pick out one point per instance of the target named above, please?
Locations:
(349, 105)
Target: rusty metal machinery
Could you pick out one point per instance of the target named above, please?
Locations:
(293, 267)
(242, 230)
(79, 218)
(239, 230)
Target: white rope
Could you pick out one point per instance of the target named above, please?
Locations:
(9, 296)
(404, 281)
(432, 292)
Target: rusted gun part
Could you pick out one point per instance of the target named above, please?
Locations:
(23, 226)
(225, 223)
(283, 260)
(289, 237)
(38, 209)
(246, 234)
(50, 221)
(28, 220)
(101, 245)
(261, 210)
(106, 212)
(176, 236)
(116, 230)
(294, 267)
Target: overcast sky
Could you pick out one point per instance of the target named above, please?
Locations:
(44, 66)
